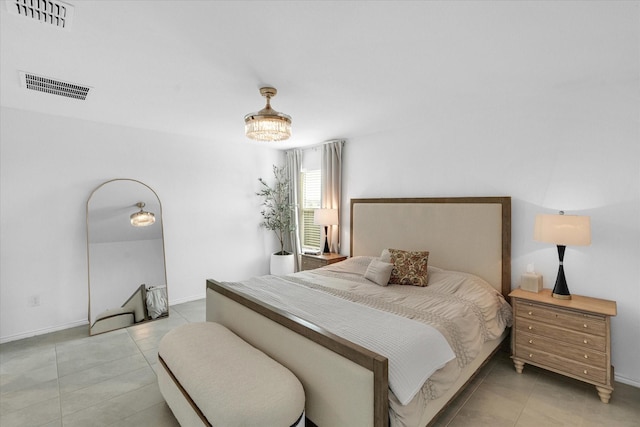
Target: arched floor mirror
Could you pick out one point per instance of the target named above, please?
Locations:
(125, 253)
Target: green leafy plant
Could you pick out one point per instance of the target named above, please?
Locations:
(277, 211)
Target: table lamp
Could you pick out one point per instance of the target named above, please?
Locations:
(325, 217)
(563, 230)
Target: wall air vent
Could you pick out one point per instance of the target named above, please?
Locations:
(53, 86)
(51, 12)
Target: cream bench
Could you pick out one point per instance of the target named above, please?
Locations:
(210, 376)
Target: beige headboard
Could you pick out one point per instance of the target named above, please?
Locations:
(470, 234)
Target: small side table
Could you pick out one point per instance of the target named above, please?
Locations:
(310, 262)
(569, 337)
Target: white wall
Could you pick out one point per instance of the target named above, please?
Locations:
(577, 152)
(49, 166)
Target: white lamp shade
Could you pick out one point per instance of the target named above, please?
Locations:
(325, 217)
(566, 230)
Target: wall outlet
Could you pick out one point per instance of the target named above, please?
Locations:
(33, 301)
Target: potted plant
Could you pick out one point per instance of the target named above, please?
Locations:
(277, 216)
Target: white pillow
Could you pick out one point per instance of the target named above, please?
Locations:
(379, 272)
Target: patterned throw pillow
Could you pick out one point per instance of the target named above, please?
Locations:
(409, 267)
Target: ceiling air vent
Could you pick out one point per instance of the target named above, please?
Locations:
(51, 12)
(53, 86)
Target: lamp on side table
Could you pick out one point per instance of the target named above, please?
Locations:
(325, 217)
(562, 230)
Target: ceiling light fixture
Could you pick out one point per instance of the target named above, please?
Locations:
(267, 124)
(142, 218)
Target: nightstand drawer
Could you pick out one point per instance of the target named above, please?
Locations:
(588, 357)
(561, 364)
(580, 339)
(312, 263)
(582, 322)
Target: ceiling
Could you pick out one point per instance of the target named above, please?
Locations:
(343, 69)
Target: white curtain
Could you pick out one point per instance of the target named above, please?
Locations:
(331, 171)
(293, 159)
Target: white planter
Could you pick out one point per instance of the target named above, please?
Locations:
(282, 264)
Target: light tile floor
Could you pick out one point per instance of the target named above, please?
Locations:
(67, 378)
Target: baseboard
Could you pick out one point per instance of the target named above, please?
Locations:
(627, 381)
(43, 331)
(186, 299)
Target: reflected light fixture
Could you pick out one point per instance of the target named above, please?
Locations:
(142, 218)
(325, 217)
(267, 124)
(563, 230)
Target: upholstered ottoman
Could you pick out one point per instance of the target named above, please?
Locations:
(210, 376)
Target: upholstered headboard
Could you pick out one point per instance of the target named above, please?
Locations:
(470, 234)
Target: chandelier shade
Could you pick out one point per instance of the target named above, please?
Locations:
(267, 124)
(142, 218)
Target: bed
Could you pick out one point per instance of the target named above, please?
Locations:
(347, 380)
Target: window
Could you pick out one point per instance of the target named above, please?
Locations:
(310, 233)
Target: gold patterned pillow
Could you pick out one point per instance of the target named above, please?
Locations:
(409, 267)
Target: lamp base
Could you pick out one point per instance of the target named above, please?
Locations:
(326, 249)
(561, 290)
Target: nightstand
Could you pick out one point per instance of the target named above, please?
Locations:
(309, 262)
(569, 337)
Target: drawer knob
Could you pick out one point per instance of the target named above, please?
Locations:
(586, 356)
(585, 372)
(530, 327)
(585, 325)
(530, 341)
(530, 313)
(585, 341)
(530, 355)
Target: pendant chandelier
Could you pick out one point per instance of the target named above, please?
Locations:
(142, 218)
(267, 124)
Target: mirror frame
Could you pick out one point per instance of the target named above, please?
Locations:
(164, 256)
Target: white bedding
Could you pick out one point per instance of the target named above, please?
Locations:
(415, 350)
(465, 310)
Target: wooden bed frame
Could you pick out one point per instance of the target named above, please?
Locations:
(346, 384)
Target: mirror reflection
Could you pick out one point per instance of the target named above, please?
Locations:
(125, 251)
